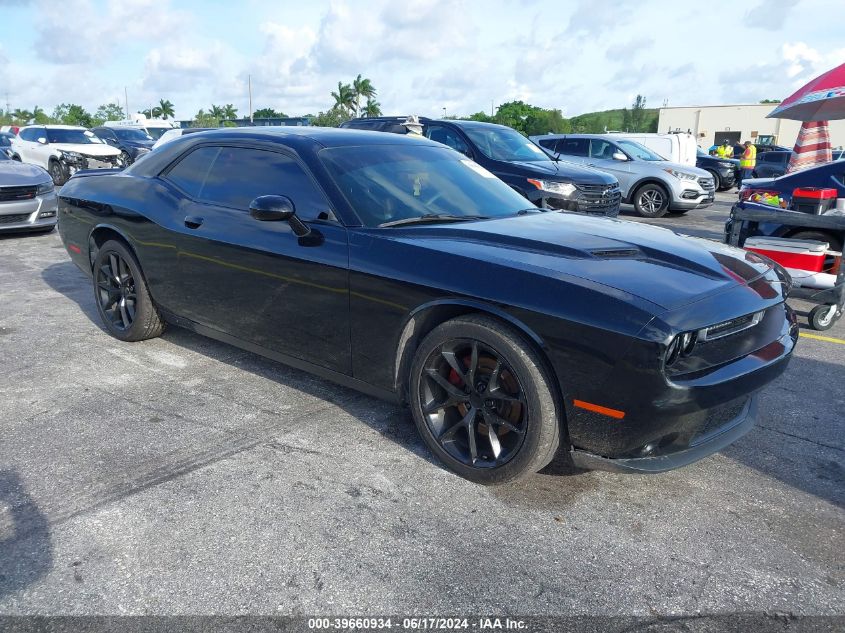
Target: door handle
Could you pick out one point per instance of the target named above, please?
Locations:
(193, 222)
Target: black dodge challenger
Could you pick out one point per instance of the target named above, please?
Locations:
(396, 266)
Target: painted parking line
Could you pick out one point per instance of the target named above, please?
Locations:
(829, 339)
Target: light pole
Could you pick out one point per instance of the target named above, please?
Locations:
(444, 112)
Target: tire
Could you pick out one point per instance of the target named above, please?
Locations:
(57, 172)
(835, 244)
(17, 158)
(821, 319)
(504, 427)
(126, 308)
(717, 181)
(651, 201)
(124, 156)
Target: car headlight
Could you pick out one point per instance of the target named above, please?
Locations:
(561, 188)
(726, 165)
(44, 187)
(71, 157)
(682, 345)
(142, 150)
(680, 175)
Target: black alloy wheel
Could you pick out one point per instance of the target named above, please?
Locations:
(473, 403)
(482, 401)
(116, 292)
(123, 300)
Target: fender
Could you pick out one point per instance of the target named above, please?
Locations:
(646, 180)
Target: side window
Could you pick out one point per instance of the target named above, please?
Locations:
(601, 149)
(448, 137)
(189, 174)
(548, 143)
(573, 146)
(30, 134)
(240, 175)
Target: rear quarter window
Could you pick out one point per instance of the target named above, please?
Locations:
(190, 172)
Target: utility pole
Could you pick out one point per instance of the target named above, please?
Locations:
(491, 107)
(126, 98)
(249, 80)
(444, 112)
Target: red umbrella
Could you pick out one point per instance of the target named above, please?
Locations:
(821, 99)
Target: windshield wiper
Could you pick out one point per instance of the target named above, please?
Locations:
(433, 217)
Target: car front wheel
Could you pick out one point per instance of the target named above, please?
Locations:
(57, 172)
(123, 300)
(651, 201)
(483, 402)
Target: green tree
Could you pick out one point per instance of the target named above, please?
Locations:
(216, 112)
(362, 88)
(165, 108)
(513, 114)
(542, 121)
(268, 113)
(344, 98)
(21, 117)
(205, 119)
(372, 108)
(152, 113)
(331, 118)
(108, 112)
(72, 114)
(770, 101)
(39, 116)
(480, 116)
(230, 112)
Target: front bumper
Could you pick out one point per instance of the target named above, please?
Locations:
(27, 215)
(603, 201)
(711, 443)
(689, 195)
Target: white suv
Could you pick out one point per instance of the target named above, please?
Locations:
(63, 150)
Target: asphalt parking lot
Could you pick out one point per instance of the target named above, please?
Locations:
(184, 476)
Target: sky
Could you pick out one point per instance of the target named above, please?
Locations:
(422, 56)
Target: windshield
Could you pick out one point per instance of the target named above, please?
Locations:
(130, 134)
(386, 183)
(156, 132)
(504, 144)
(638, 152)
(75, 137)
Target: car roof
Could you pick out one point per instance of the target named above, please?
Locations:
(57, 127)
(301, 135)
(471, 124)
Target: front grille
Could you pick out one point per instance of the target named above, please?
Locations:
(599, 198)
(734, 326)
(707, 184)
(719, 419)
(16, 218)
(9, 194)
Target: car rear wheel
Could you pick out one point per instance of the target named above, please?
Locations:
(122, 297)
(482, 401)
(651, 201)
(57, 172)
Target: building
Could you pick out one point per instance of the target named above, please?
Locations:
(737, 124)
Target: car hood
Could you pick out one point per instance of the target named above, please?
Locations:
(652, 263)
(144, 144)
(13, 173)
(562, 170)
(93, 149)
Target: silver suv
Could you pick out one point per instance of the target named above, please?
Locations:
(653, 185)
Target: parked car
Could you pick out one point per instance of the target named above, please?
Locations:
(153, 127)
(771, 164)
(676, 147)
(725, 171)
(400, 268)
(27, 197)
(133, 142)
(175, 133)
(827, 176)
(6, 143)
(63, 150)
(517, 161)
(653, 185)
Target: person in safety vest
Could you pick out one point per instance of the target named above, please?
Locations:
(748, 160)
(725, 150)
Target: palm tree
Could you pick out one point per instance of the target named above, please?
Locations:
(230, 112)
(372, 108)
(344, 98)
(166, 108)
(217, 112)
(362, 88)
(22, 115)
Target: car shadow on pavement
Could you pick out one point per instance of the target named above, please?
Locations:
(390, 421)
(26, 551)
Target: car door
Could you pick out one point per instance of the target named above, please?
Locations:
(40, 153)
(107, 136)
(255, 280)
(601, 157)
(26, 143)
(449, 137)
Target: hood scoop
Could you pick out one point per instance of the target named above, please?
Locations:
(616, 253)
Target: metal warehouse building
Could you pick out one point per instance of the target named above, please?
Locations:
(737, 123)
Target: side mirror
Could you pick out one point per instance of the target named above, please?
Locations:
(278, 209)
(619, 156)
(42, 140)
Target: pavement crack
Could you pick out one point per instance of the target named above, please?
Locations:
(801, 437)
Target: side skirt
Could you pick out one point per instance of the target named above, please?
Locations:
(311, 368)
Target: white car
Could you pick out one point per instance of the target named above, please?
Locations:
(63, 150)
(175, 133)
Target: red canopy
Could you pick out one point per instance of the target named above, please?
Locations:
(821, 99)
